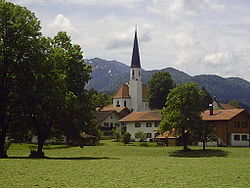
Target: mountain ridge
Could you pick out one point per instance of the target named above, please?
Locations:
(107, 76)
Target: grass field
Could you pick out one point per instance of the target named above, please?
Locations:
(114, 165)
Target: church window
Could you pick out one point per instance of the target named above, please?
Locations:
(125, 103)
(139, 73)
(117, 104)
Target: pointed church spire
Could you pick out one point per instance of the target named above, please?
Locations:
(136, 63)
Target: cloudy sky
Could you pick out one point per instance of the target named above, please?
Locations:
(195, 36)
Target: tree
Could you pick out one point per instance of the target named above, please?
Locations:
(207, 98)
(80, 103)
(141, 136)
(183, 111)
(19, 34)
(126, 138)
(235, 103)
(101, 99)
(158, 89)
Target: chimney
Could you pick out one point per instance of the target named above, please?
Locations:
(211, 109)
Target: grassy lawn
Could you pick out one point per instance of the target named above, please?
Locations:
(113, 165)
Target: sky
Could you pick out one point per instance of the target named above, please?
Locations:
(194, 36)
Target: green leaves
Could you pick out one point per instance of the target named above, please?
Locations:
(158, 89)
(183, 109)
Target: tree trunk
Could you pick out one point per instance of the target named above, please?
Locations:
(3, 130)
(185, 141)
(204, 144)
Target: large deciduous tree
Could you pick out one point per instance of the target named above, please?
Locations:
(158, 89)
(183, 111)
(19, 34)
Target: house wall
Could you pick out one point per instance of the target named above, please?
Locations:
(226, 130)
(144, 127)
(111, 121)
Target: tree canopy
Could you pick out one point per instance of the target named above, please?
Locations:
(19, 37)
(183, 111)
(42, 81)
(158, 89)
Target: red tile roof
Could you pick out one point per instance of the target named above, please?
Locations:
(142, 116)
(123, 92)
(220, 115)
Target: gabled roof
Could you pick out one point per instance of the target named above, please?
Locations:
(221, 115)
(136, 63)
(102, 115)
(123, 92)
(142, 116)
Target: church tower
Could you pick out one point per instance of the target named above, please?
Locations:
(133, 94)
(135, 83)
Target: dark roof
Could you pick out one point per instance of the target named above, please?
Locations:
(136, 63)
(102, 115)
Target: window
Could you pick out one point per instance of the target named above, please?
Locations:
(244, 137)
(106, 124)
(137, 124)
(139, 73)
(111, 125)
(237, 137)
(117, 104)
(149, 125)
(244, 125)
(237, 124)
(133, 74)
(125, 103)
(156, 124)
(148, 135)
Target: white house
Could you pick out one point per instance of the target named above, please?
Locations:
(146, 122)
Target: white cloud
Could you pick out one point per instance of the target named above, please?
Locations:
(219, 59)
(63, 23)
(176, 9)
(81, 2)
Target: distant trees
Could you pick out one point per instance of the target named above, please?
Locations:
(158, 89)
(183, 111)
(235, 103)
(42, 82)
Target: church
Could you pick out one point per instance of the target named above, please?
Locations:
(133, 94)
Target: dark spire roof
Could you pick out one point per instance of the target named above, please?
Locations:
(136, 63)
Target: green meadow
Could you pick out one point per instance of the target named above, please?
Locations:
(112, 164)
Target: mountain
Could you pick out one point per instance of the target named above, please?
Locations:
(107, 76)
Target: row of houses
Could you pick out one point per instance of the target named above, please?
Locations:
(130, 109)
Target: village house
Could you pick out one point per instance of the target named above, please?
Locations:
(108, 118)
(232, 127)
(146, 122)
